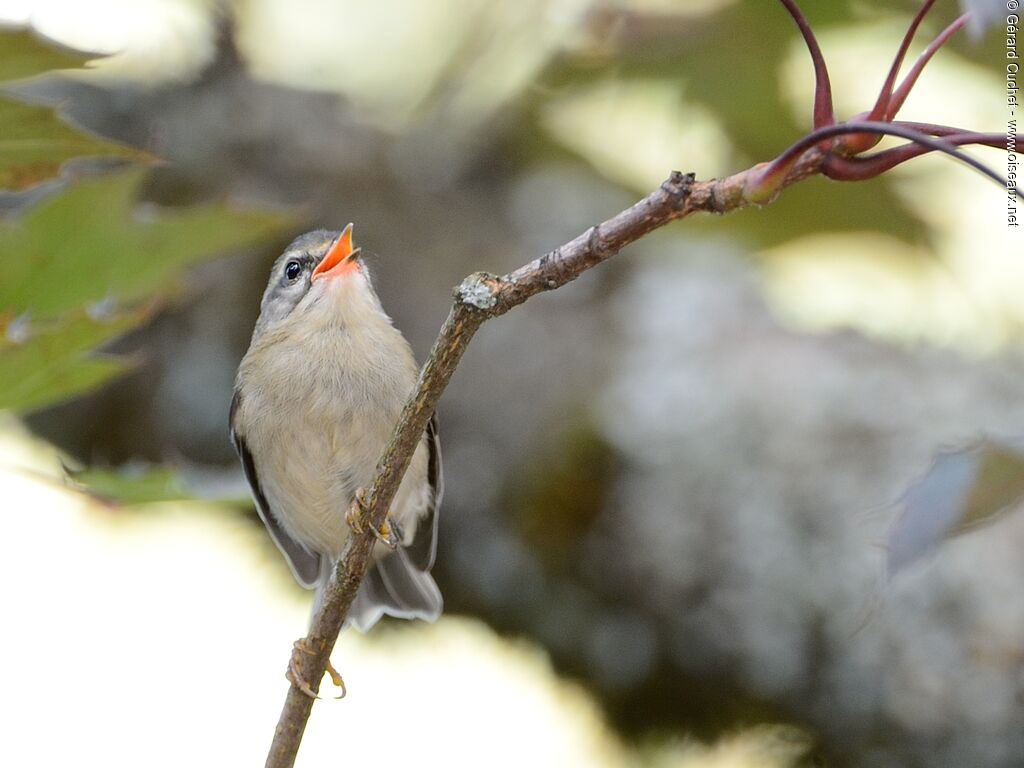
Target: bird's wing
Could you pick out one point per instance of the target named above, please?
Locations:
(304, 564)
(423, 547)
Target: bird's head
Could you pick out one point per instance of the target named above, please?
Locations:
(322, 273)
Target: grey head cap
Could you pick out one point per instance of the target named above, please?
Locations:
(291, 275)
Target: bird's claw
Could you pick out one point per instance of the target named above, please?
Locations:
(390, 534)
(356, 512)
(294, 675)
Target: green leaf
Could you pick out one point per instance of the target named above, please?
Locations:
(92, 243)
(34, 144)
(53, 364)
(141, 484)
(25, 53)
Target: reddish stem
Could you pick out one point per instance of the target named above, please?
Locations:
(861, 168)
(932, 129)
(853, 145)
(824, 115)
(763, 186)
(896, 103)
(881, 109)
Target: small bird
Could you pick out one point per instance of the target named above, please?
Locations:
(316, 398)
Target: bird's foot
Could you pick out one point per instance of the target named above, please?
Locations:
(294, 675)
(356, 512)
(390, 534)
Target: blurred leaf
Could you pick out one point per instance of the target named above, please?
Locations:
(963, 490)
(999, 485)
(34, 144)
(93, 246)
(25, 53)
(142, 483)
(92, 243)
(132, 484)
(53, 363)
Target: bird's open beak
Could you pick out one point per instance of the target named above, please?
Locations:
(340, 259)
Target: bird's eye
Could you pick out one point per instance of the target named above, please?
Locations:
(292, 270)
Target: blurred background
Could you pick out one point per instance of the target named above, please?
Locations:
(690, 518)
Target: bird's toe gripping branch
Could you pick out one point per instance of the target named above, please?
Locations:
(390, 534)
(295, 677)
(836, 149)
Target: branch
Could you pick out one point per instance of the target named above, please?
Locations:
(482, 296)
(477, 299)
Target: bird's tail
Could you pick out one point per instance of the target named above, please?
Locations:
(392, 586)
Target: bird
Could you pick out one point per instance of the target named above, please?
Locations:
(316, 398)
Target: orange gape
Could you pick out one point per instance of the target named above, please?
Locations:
(340, 259)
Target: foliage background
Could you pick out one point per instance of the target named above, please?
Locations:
(671, 483)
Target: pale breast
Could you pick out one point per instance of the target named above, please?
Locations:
(316, 428)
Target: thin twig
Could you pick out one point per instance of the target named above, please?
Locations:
(478, 298)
